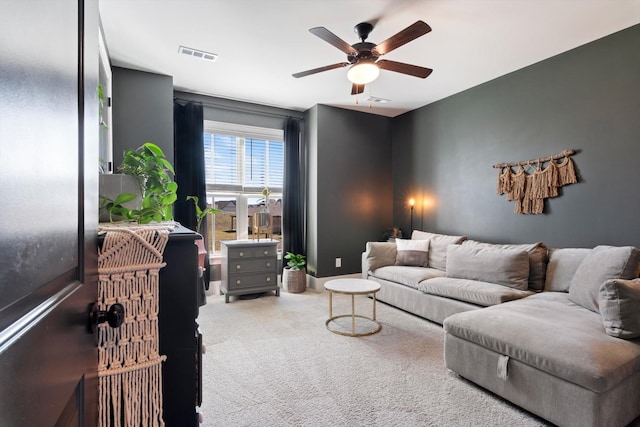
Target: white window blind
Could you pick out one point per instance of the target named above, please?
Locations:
(243, 159)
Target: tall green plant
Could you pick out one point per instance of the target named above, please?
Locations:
(201, 213)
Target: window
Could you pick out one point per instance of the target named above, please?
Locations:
(240, 161)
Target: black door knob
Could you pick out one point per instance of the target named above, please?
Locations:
(114, 316)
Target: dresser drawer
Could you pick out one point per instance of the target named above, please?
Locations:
(253, 252)
(240, 281)
(251, 265)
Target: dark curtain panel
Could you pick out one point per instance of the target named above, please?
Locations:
(294, 191)
(188, 140)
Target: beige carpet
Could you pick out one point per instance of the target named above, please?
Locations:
(271, 362)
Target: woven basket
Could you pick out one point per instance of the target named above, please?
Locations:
(294, 281)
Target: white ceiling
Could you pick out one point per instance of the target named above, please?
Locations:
(260, 43)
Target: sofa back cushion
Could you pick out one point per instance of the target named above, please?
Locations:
(563, 264)
(378, 254)
(618, 302)
(602, 263)
(537, 253)
(507, 267)
(437, 246)
(412, 252)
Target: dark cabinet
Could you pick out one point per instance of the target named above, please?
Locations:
(179, 337)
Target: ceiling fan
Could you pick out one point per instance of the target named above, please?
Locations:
(364, 57)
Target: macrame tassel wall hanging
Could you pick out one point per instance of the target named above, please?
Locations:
(528, 189)
(129, 363)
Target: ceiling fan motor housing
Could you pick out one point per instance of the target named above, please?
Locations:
(364, 53)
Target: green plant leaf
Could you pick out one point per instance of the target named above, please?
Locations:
(167, 165)
(157, 151)
(124, 198)
(169, 199)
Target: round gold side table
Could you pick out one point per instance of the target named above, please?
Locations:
(352, 287)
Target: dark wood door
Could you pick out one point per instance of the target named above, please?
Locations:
(48, 212)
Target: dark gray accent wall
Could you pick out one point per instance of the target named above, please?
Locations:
(585, 99)
(142, 111)
(349, 186)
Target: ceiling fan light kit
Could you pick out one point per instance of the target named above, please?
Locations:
(363, 57)
(363, 73)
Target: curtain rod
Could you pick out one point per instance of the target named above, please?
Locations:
(239, 109)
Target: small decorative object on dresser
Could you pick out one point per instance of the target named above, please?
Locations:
(294, 275)
(249, 267)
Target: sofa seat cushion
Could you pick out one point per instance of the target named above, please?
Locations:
(408, 276)
(551, 333)
(482, 293)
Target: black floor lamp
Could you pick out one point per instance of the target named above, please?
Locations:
(411, 203)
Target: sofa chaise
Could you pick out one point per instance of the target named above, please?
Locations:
(561, 338)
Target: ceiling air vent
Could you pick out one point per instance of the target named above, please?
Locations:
(377, 100)
(208, 56)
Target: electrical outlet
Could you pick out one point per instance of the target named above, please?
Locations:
(338, 262)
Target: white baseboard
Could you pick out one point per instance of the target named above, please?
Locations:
(317, 283)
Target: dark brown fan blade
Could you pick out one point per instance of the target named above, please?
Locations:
(320, 69)
(412, 32)
(334, 40)
(356, 89)
(401, 67)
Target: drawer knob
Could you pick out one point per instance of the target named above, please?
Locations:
(266, 252)
(268, 264)
(237, 266)
(238, 282)
(268, 279)
(241, 253)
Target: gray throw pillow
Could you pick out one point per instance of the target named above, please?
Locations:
(437, 246)
(412, 252)
(379, 254)
(619, 307)
(602, 263)
(505, 267)
(563, 264)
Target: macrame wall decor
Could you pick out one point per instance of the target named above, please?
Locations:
(129, 363)
(535, 180)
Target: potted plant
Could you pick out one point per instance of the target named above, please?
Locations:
(262, 219)
(294, 275)
(153, 172)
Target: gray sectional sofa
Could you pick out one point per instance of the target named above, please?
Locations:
(553, 331)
